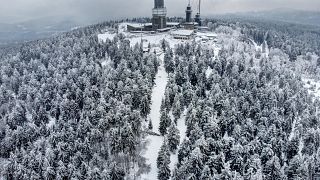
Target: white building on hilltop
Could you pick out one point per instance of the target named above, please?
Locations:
(182, 34)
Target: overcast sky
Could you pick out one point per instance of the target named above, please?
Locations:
(98, 10)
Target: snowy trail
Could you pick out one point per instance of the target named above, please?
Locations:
(155, 142)
(259, 48)
(293, 129)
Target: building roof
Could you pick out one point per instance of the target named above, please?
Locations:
(191, 23)
(173, 23)
(139, 25)
(183, 32)
(164, 29)
(209, 34)
(136, 25)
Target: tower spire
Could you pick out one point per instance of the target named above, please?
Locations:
(188, 13)
(198, 17)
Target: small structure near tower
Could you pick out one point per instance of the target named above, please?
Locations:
(189, 24)
(159, 15)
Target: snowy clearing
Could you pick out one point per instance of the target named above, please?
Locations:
(105, 36)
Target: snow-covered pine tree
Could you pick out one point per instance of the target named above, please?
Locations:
(163, 161)
(163, 154)
(165, 122)
(145, 106)
(177, 108)
(173, 137)
(164, 170)
(168, 60)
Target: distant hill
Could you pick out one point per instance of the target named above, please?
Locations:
(287, 15)
(33, 29)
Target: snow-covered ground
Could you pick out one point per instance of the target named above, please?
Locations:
(260, 48)
(3, 163)
(313, 86)
(293, 129)
(105, 36)
(154, 39)
(155, 142)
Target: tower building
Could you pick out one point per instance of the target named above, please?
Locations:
(198, 17)
(159, 13)
(188, 13)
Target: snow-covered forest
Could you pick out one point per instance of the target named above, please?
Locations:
(92, 104)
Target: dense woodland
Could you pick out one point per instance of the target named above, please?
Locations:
(72, 107)
(250, 119)
(293, 39)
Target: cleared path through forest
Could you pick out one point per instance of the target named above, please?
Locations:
(155, 142)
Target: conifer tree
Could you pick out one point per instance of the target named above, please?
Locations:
(173, 137)
(163, 162)
(150, 126)
(168, 61)
(163, 153)
(164, 123)
(176, 111)
(145, 106)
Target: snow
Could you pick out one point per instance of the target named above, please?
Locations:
(183, 32)
(137, 25)
(52, 122)
(209, 72)
(293, 129)
(313, 86)
(267, 50)
(155, 142)
(105, 36)
(173, 23)
(181, 125)
(260, 49)
(3, 163)
(207, 34)
(158, 95)
(155, 39)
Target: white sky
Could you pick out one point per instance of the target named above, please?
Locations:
(98, 10)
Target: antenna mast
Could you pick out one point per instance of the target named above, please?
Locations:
(199, 6)
(198, 15)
